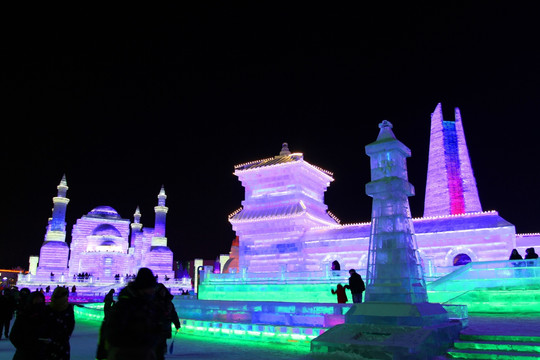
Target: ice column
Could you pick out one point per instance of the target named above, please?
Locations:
(394, 272)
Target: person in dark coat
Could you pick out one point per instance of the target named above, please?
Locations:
(59, 322)
(530, 254)
(515, 255)
(23, 297)
(29, 335)
(341, 294)
(7, 308)
(132, 330)
(356, 286)
(101, 353)
(167, 315)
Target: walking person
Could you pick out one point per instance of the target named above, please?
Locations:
(167, 315)
(356, 286)
(59, 322)
(132, 328)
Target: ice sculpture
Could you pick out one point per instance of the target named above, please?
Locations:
(396, 321)
(100, 243)
(54, 251)
(451, 186)
(394, 272)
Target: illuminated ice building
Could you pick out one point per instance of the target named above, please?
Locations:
(103, 244)
(288, 236)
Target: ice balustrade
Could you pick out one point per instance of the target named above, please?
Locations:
(489, 274)
(282, 277)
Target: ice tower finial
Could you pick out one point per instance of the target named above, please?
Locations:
(137, 215)
(386, 131)
(450, 187)
(284, 150)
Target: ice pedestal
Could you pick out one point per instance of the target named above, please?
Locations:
(378, 330)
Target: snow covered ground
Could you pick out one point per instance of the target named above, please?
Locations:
(188, 347)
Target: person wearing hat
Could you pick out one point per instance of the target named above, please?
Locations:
(59, 322)
(132, 330)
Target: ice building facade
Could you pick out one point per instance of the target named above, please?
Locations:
(284, 224)
(104, 244)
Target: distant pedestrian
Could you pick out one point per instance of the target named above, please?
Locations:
(530, 254)
(7, 308)
(28, 334)
(515, 255)
(132, 330)
(166, 314)
(341, 294)
(59, 322)
(356, 286)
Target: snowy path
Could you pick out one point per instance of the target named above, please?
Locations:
(188, 347)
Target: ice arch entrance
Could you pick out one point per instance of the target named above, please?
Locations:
(461, 259)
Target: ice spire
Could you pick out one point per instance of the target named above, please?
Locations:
(161, 215)
(137, 215)
(60, 202)
(450, 186)
(284, 150)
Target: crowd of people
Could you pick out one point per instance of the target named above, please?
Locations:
(42, 331)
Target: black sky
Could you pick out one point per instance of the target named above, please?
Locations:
(125, 100)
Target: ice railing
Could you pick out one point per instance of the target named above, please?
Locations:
(278, 277)
(490, 274)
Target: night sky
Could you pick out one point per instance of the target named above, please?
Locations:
(125, 100)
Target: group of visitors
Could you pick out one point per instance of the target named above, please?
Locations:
(529, 254)
(138, 324)
(42, 331)
(356, 286)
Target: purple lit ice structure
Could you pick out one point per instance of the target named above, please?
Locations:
(54, 252)
(100, 243)
(451, 186)
(286, 231)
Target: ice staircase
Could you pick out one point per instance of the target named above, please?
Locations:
(502, 347)
(491, 286)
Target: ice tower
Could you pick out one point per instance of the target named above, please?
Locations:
(394, 272)
(284, 199)
(54, 253)
(160, 257)
(396, 321)
(451, 187)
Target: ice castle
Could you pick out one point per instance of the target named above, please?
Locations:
(288, 236)
(103, 244)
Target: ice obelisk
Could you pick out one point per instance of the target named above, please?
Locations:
(450, 186)
(396, 321)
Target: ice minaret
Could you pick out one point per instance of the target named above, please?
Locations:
(160, 257)
(54, 253)
(394, 272)
(136, 224)
(159, 238)
(58, 221)
(451, 186)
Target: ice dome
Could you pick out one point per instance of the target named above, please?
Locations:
(104, 212)
(106, 229)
